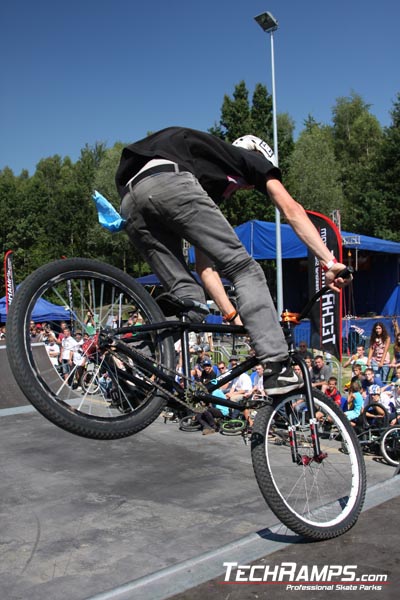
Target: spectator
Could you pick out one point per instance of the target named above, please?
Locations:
(320, 373)
(378, 353)
(60, 336)
(358, 358)
(303, 351)
(68, 344)
(332, 392)
(241, 388)
(53, 350)
(105, 383)
(396, 349)
(79, 359)
(354, 403)
(370, 378)
(222, 369)
(207, 418)
(207, 373)
(90, 324)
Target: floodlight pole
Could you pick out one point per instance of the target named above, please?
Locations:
(269, 24)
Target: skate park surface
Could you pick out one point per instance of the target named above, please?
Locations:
(155, 515)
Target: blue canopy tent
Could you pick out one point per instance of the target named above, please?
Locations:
(43, 311)
(380, 264)
(392, 306)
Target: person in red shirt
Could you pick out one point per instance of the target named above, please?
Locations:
(333, 392)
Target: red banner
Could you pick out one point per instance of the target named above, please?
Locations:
(326, 315)
(9, 278)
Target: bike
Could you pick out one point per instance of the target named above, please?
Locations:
(312, 487)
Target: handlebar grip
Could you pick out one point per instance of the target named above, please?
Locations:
(346, 273)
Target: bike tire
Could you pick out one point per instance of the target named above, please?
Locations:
(81, 285)
(232, 427)
(189, 423)
(390, 446)
(316, 500)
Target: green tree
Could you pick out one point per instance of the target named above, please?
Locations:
(357, 139)
(384, 198)
(314, 175)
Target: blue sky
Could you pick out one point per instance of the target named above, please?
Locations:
(77, 72)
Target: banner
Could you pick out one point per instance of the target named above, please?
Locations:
(9, 278)
(326, 314)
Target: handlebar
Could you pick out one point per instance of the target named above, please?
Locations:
(344, 274)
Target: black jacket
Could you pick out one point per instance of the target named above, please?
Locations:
(219, 167)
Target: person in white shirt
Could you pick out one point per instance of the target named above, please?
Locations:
(68, 344)
(53, 349)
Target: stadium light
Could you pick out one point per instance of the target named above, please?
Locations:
(269, 24)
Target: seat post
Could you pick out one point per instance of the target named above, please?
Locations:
(185, 353)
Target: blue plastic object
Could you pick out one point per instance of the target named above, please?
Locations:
(108, 216)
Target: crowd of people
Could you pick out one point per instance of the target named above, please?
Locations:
(375, 374)
(369, 382)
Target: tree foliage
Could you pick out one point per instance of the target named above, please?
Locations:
(352, 165)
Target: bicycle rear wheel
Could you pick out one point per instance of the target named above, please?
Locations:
(189, 423)
(232, 427)
(390, 446)
(318, 499)
(75, 287)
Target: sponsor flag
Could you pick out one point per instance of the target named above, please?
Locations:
(9, 278)
(326, 314)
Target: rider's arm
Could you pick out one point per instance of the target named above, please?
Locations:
(298, 219)
(213, 284)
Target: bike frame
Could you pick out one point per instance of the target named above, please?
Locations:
(183, 327)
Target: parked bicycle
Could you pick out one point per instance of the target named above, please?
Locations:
(313, 488)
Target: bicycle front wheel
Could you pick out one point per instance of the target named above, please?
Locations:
(114, 398)
(390, 446)
(319, 498)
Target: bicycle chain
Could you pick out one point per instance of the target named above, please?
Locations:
(189, 393)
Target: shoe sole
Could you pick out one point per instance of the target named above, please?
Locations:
(284, 390)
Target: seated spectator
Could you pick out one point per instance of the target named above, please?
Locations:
(303, 351)
(355, 403)
(370, 378)
(241, 386)
(207, 418)
(258, 382)
(332, 392)
(358, 358)
(207, 371)
(105, 383)
(222, 369)
(309, 363)
(320, 373)
(197, 369)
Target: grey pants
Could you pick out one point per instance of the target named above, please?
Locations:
(163, 209)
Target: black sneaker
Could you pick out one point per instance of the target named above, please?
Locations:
(279, 378)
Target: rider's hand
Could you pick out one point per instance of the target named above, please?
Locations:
(332, 279)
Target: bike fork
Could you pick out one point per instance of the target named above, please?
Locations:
(313, 422)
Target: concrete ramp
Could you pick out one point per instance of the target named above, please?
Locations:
(10, 394)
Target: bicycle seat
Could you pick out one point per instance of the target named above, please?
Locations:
(172, 305)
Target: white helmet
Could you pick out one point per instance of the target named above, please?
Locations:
(252, 142)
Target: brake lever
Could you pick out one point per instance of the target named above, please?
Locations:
(347, 273)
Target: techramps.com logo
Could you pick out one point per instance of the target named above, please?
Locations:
(297, 577)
